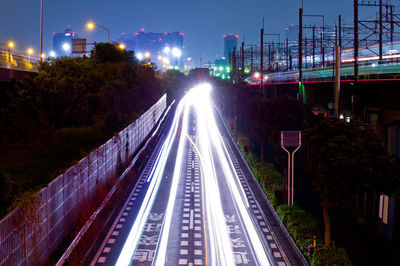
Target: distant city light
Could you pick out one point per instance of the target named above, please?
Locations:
(30, 51)
(176, 52)
(66, 47)
(121, 46)
(221, 68)
(139, 56)
(257, 75)
(147, 55)
(167, 50)
(11, 45)
(52, 54)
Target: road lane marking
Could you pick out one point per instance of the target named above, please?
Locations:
(191, 220)
(198, 228)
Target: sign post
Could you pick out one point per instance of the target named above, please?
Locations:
(290, 139)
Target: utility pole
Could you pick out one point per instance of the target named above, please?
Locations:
(340, 31)
(337, 80)
(234, 67)
(287, 54)
(380, 32)
(243, 58)
(355, 40)
(251, 58)
(300, 61)
(313, 46)
(262, 61)
(322, 50)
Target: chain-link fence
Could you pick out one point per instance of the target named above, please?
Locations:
(28, 235)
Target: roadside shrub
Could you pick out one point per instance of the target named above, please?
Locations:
(330, 256)
(300, 225)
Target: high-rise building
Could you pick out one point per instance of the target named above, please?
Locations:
(230, 43)
(62, 43)
(159, 46)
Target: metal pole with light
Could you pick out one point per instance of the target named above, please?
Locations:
(91, 26)
(41, 29)
(10, 46)
(176, 52)
(29, 52)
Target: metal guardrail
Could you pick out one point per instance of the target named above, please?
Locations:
(18, 61)
(29, 237)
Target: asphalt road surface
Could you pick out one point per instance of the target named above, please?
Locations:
(196, 202)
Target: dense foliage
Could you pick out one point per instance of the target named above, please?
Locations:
(71, 106)
(340, 159)
(353, 160)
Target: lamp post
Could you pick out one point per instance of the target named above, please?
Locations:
(10, 46)
(92, 25)
(29, 52)
(41, 29)
(176, 52)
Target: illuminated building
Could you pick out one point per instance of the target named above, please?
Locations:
(62, 43)
(155, 44)
(230, 43)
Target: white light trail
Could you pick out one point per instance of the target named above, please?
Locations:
(161, 251)
(220, 243)
(131, 243)
(209, 135)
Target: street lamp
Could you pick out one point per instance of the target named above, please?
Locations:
(139, 56)
(92, 25)
(10, 46)
(176, 52)
(121, 46)
(29, 52)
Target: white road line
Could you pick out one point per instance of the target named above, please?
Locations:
(191, 219)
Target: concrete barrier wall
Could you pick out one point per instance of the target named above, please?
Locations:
(30, 236)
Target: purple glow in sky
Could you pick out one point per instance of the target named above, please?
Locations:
(203, 22)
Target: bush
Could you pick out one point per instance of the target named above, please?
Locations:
(330, 256)
(300, 225)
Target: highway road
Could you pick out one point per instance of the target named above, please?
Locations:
(196, 202)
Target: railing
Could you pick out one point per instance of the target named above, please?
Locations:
(18, 61)
(366, 71)
(29, 236)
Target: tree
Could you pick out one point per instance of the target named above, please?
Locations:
(345, 159)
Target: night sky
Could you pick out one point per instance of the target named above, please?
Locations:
(203, 21)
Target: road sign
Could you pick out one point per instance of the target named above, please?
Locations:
(78, 46)
(290, 139)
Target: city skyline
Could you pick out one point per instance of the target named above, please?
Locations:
(203, 24)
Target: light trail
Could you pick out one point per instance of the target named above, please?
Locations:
(161, 252)
(209, 131)
(220, 243)
(136, 230)
(211, 149)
